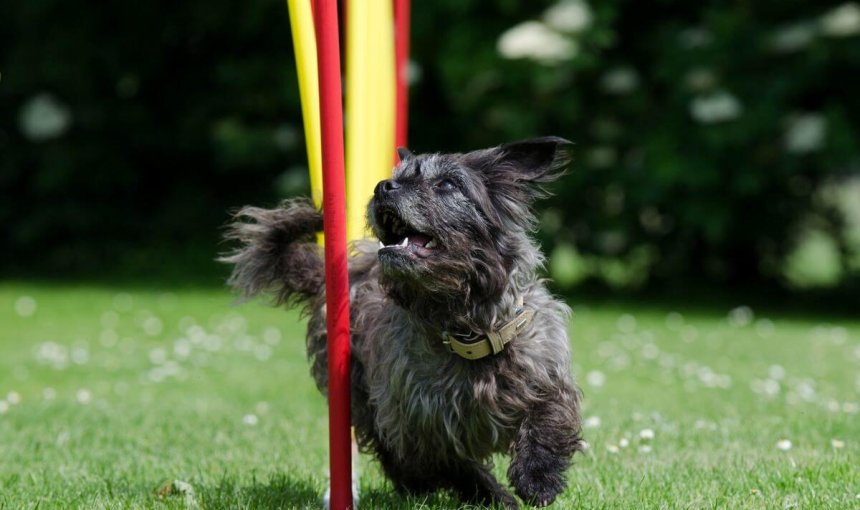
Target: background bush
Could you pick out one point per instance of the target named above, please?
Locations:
(714, 142)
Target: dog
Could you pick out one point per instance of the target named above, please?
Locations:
(459, 351)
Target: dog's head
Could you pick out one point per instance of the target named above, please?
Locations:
(457, 224)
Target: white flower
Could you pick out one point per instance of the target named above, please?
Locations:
(595, 378)
(568, 16)
(776, 372)
(645, 448)
(43, 117)
(250, 419)
(158, 356)
(602, 156)
(792, 38)
(700, 79)
(805, 133)
(767, 387)
(843, 21)
(414, 72)
(534, 40)
(4, 407)
(13, 398)
(152, 326)
(123, 302)
(110, 319)
(626, 323)
(695, 37)
(25, 306)
(719, 106)
(592, 422)
(272, 335)
(674, 321)
(764, 328)
(182, 348)
(620, 81)
(740, 316)
(646, 434)
(784, 445)
(837, 444)
(84, 396)
(624, 442)
(611, 448)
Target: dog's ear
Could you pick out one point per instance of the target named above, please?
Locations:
(538, 159)
(403, 153)
(513, 174)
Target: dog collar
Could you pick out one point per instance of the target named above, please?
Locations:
(493, 342)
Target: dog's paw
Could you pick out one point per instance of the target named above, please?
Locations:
(536, 488)
(498, 499)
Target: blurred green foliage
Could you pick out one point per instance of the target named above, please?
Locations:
(710, 138)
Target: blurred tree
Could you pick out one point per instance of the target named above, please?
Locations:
(129, 129)
(707, 134)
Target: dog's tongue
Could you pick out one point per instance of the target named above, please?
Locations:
(419, 239)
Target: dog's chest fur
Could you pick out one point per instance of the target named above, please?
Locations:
(422, 401)
(432, 402)
(428, 402)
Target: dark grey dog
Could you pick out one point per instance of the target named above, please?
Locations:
(459, 351)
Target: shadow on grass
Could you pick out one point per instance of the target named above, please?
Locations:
(386, 497)
(280, 491)
(290, 492)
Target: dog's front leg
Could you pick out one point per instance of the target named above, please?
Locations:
(541, 451)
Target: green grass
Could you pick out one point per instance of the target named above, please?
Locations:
(106, 396)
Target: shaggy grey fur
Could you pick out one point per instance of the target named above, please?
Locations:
(434, 419)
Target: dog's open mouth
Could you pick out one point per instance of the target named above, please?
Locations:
(397, 234)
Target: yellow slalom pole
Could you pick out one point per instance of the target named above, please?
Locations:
(305, 46)
(370, 102)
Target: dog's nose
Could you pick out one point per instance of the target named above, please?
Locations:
(386, 187)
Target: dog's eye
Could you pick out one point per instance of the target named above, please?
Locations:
(446, 185)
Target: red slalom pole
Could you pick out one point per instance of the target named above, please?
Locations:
(337, 277)
(401, 71)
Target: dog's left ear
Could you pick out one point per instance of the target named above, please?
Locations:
(536, 160)
(513, 174)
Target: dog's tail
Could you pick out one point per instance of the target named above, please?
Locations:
(278, 254)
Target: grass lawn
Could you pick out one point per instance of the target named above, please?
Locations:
(107, 396)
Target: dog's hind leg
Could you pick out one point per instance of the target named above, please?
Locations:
(542, 450)
(407, 477)
(474, 483)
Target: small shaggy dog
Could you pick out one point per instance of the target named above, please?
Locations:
(458, 349)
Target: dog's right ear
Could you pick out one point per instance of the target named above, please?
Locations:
(403, 153)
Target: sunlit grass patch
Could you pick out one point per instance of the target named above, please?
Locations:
(108, 397)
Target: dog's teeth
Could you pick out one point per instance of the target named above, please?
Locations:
(381, 245)
(404, 242)
(431, 243)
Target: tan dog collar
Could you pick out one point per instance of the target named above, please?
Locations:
(492, 342)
